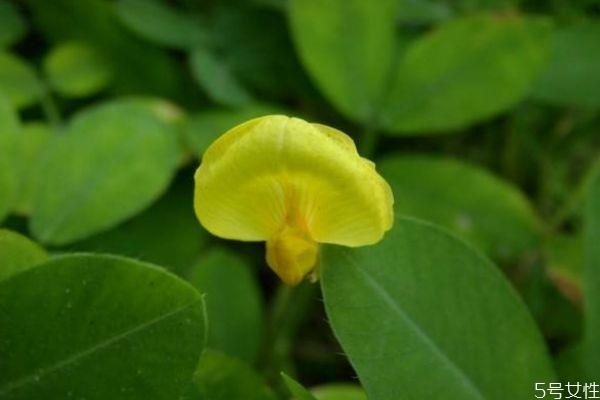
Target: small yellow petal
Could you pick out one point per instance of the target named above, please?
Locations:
(291, 254)
(293, 184)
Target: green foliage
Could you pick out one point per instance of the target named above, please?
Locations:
(12, 25)
(136, 64)
(18, 81)
(419, 310)
(9, 135)
(446, 81)
(571, 77)
(233, 301)
(492, 215)
(86, 187)
(216, 79)
(219, 377)
(145, 340)
(76, 70)
(17, 253)
(165, 234)
(591, 351)
(339, 392)
(483, 116)
(205, 127)
(349, 61)
(440, 82)
(299, 392)
(30, 148)
(155, 21)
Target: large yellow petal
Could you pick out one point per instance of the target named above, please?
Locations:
(276, 171)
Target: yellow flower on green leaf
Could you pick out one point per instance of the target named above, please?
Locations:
(293, 184)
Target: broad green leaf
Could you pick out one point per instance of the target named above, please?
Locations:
(219, 377)
(156, 21)
(233, 302)
(467, 70)
(339, 391)
(166, 234)
(138, 67)
(347, 46)
(217, 79)
(75, 69)
(18, 81)
(296, 389)
(12, 26)
(204, 127)
(256, 45)
(17, 254)
(31, 145)
(113, 161)
(98, 327)
(422, 315)
(470, 201)
(9, 135)
(591, 279)
(571, 75)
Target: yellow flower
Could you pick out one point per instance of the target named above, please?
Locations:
(292, 184)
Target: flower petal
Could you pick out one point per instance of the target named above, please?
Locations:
(260, 175)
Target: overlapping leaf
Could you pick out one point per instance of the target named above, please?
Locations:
(422, 315)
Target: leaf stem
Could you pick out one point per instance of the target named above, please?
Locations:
(291, 306)
(49, 107)
(576, 196)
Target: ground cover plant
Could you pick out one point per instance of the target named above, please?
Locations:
(406, 204)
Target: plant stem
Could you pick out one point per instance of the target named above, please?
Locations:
(576, 196)
(49, 107)
(291, 306)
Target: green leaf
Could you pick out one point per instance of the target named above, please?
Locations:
(571, 75)
(12, 25)
(166, 234)
(296, 389)
(31, 145)
(98, 327)
(347, 47)
(18, 81)
(591, 279)
(204, 127)
(219, 377)
(255, 44)
(160, 23)
(114, 160)
(422, 315)
(469, 201)
(138, 67)
(233, 302)
(9, 135)
(216, 78)
(75, 69)
(339, 391)
(17, 254)
(467, 70)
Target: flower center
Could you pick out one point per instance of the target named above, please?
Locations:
(292, 254)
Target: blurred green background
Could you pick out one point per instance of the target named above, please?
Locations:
(482, 115)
